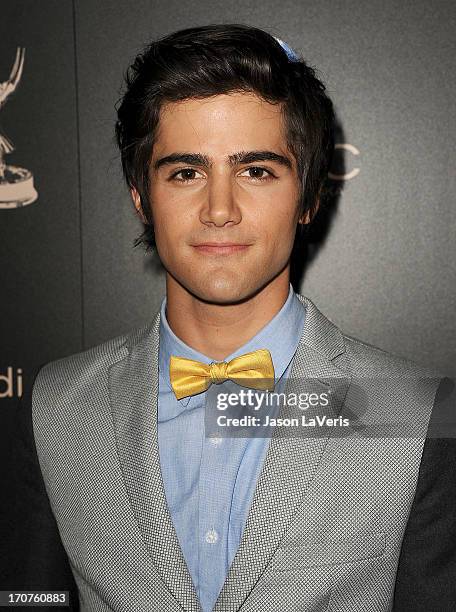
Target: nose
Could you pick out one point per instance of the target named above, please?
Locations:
(220, 208)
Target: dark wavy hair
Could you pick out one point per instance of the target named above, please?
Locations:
(216, 59)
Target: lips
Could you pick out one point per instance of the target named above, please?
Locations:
(220, 248)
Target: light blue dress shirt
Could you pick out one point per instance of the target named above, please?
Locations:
(210, 482)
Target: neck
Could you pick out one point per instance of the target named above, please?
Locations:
(217, 330)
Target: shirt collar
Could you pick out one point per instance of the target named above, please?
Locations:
(280, 336)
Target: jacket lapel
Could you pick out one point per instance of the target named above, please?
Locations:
(290, 463)
(133, 385)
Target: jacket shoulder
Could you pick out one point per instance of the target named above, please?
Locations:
(372, 360)
(80, 369)
(350, 352)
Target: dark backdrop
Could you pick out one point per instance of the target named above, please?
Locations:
(384, 269)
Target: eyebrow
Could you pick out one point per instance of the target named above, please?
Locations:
(242, 157)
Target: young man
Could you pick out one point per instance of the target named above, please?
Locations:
(226, 139)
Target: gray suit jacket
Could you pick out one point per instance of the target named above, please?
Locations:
(327, 521)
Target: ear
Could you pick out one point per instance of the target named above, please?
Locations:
(137, 202)
(306, 218)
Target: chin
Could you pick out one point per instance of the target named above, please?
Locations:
(222, 291)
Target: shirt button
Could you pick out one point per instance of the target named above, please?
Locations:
(211, 536)
(216, 441)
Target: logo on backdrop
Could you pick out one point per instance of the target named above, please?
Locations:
(347, 176)
(16, 184)
(11, 383)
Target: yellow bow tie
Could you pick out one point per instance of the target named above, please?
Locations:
(189, 377)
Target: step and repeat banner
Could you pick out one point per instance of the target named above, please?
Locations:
(382, 265)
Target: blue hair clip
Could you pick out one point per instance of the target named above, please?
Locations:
(288, 50)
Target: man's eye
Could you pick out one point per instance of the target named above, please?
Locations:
(258, 173)
(187, 174)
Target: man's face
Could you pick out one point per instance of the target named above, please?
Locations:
(224, 195)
